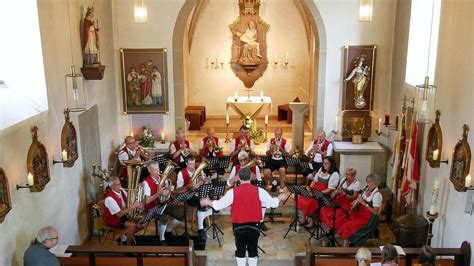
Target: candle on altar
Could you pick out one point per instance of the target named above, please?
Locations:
(435, 155)
(64, 155)
(335, 125)
(235, 94)
(227, 120)
(286, 58)
(30, 179)
(266, 119)
(434, 197)
(468, 181)
(261, 94)
(131, 134)
(380, 125)
(163, 136)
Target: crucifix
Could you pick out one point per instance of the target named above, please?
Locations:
(248, 90)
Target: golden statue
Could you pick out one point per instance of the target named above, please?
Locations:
(359, 76)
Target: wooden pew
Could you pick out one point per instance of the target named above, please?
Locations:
(142, 255)
(321, 256)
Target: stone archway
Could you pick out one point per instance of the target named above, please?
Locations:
(317, 43)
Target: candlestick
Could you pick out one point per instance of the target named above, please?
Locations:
(266, 119)
(435, 155)
(227, 120)
(431, 219)
(387, 120)
(163, 137)
(380, 124)
(30, 179)
(468, 181)
(227, 140)
(266, 130)
(64, 155)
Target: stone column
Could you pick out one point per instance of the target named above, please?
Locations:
(299, 110)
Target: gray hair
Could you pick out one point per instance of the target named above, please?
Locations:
(152, 164)
(242, 155)
(111, 180)
(244, 174)
(363, 256)
(375, 178)
(45, 233)
(179, 131)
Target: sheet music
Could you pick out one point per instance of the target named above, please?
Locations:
(60, 251)
(398, 248)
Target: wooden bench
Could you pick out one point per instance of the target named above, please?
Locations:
(142, 255)
(322, 256)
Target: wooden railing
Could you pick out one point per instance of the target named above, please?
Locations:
(138, 255)
(460, 256)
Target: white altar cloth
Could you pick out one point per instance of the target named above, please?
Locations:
(252, 106)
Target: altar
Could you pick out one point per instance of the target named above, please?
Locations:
(250, 105)
(361, 157)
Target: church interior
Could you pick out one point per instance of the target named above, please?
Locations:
(380, 90)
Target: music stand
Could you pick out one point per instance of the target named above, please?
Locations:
(324, 201)
(296, 163)
(217, 189)
(297, 190)
(162, 161)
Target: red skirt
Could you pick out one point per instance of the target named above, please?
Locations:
(347, 226)
(327, 214)
(309, 205)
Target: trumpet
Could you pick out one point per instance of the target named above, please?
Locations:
(243, 144)
(276, 148)
(213, 147)
(356, 205)
(143, 152)
(314, 150)
(165, 182)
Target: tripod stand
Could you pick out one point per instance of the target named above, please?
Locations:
(328, 202)
(297, 190)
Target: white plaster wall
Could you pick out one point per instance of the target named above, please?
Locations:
(156, 33)
(212, 35)
(343, 28)
(62, 202)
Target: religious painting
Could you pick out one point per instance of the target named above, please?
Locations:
(359, 77)
(144, 81)
(69, 141)
(435, 143)
(92, 68)
(5, 202)
(249, 45)
(37, 163)
(356, 125)
(461, 162)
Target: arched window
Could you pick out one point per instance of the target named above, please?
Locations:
(22, 78)
(422, 40)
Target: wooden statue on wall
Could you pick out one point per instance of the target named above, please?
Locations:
(37, 163)
(358, 90)
(92, 69)
(69, 141)
(5, 202)
(249, 49)
(461, 162)
(435, 143)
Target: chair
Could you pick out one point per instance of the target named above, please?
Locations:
(373, 234)
(285, 113)
(100, 206)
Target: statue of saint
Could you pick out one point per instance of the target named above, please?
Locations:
(251, 47)
(90, 38)
(359, 76)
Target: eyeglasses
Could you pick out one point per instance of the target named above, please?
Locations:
(52, 238)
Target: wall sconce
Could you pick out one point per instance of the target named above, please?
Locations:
(30, 182)
(387, 125)
(469, 207)
(64, 158)
(424, 102)
(282, 63)
(365, 10)
(101, 173)
(140, 11)
(214, 63)
(76, 96)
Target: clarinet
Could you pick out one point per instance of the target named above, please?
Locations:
(356, 205)
(334, 193)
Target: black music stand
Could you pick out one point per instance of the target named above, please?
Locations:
(297, 164)
(217, 189)
(297, 190)
(162, 161)
(325, 201)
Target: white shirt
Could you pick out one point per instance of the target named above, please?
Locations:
(228, 199)
(375, 197)
(219, 144)
(333, 179)
(123, 156)
(318, 158)
(112, 205)
(232, 145)
(180, 179)
(173, 150)
(233, 174)
(287, 149)
(355, 185)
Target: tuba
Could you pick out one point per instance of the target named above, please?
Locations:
(276, 148)
(165, 182)
(195, 178)
(135, 189)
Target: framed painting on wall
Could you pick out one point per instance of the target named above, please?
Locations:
(37, 163)
(144, 81)
(5, 202)
(69, 141)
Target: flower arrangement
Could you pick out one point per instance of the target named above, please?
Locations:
(255, 134)
(147, 140)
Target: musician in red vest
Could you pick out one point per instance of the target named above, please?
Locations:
(245, 201)
(131, 151)
(116, 210)
(184, 183)
(153, 192)
(241, 143)
(277, 149)
(181, 148)
(319, 149)
(211, 147)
